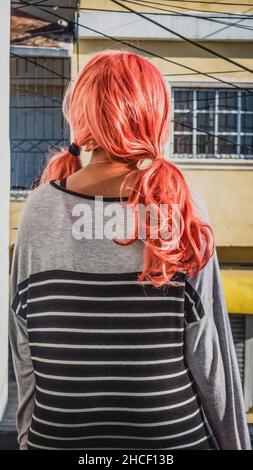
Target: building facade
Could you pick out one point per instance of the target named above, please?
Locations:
(204, 51)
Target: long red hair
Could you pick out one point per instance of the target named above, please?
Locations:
(119, 102)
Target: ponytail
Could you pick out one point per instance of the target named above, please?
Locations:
(60, 166)
(162, 183)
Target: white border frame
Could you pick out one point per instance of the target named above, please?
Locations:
(4, 207)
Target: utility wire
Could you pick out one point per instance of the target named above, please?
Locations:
(206, 99)
(199, 73)
(39, 65)
(176, 13)
(188, 1)
(35, 34)
(128, 44)
(67, 78)
(232, 15)
(190, 41)
(32, 92)
(37, 3)
(215, 20)
(62, 7)
(149, 52)
(208, 74)
(213, 3)
(125, 43)
(210, 134)
(36, 64)
(146, 3)
(188, 15)
(30, 4)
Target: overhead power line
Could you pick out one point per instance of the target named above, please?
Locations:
(181, 36)
(215, 14)
(35, 93)
(39, 65)
(30, 4)
(20, 7)
(136, 47)
(232, 15)
(199, 73)
(155, 55)
(125, 43)
(188, 15)
(213, 3)
(206, 99)
(211, 134)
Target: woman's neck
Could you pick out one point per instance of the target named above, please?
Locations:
(100, 176)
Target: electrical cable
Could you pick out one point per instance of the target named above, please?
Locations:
(213, 3)
(232, 15)
(219, 14)
(181, 36)
(206, 132)
(210, 134)
(38, 65)
(148, 52)
(188, 15)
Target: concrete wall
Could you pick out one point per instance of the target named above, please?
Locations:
(108, 5)
(184, 54)
(228, 195)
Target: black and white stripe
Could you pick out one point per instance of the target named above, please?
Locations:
(193, 304)
(108, 356)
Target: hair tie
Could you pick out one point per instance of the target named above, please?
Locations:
(147, 162)
(74, 149)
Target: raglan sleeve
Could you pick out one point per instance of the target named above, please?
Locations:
(18, 337)
(211, 357)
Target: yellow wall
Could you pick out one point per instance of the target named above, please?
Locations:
(179, 51)
(182, 53)
(201, 6)
(228, 195)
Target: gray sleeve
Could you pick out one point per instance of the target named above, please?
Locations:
(19, 343)
(211, 357)
(24, 375)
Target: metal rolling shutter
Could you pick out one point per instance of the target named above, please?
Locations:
(238, 325)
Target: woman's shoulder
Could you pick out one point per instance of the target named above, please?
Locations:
(38, 195)
(38, 209)
(41, 202)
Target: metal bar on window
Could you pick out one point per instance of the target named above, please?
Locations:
(216, 117)
(239, 106)
(26, 93)
(194, 132)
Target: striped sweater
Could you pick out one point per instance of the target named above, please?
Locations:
(103, 362)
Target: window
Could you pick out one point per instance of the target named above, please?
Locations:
(214, 123)
(36, 118)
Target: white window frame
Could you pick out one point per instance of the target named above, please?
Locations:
(214, 160)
